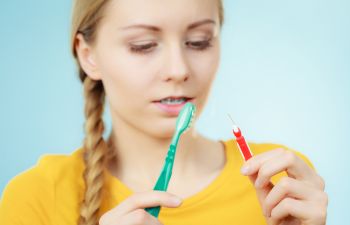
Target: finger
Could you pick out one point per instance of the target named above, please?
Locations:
(147, 199)
(287, 187)
(252, 166)
(284, 161)
(261, 192)
(291, 207)
(140, 216)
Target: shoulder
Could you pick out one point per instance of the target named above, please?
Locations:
(50, 169)
(32, 193)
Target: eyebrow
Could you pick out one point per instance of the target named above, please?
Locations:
(157, 29)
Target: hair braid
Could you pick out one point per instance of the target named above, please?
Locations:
(95, 149)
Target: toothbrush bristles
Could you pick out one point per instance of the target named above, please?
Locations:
(191, 122)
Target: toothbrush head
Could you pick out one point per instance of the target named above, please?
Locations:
(185, 118)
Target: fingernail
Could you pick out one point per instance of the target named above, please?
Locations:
(258, 183)
(176, 200)
(245, 170)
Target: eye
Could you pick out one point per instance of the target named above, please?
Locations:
(142, 48)
(148, 47)
(200, 45)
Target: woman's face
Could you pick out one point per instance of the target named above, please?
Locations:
(146, 51)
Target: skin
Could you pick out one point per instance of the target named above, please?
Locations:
(175, 60)
(175, 66)
(296, 199)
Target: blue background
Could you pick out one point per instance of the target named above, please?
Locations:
(284, 77)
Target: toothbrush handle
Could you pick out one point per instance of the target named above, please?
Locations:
(154, 211)
(161, 185)
(164, 178)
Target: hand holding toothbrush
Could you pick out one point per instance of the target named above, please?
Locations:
(298, 199)
(131, 211)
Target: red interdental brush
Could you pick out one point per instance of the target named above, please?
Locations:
(242, 144)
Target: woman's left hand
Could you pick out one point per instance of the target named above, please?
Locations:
(298, 198)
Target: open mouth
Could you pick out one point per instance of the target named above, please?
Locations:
(172, 105)
(174, 100)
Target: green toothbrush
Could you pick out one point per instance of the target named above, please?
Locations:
(183, 122)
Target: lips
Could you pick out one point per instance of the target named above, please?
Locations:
(176, 97)
(172, 109)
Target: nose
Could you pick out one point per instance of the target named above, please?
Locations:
(175, 65)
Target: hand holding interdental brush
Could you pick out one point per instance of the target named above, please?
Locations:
(298, 198)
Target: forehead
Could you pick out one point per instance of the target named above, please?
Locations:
(162, 13)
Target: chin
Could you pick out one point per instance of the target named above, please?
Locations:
(161, 128)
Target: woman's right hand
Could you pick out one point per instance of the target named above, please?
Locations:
(131, 211)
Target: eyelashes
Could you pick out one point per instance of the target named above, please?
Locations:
(145, 48)
(194, 45)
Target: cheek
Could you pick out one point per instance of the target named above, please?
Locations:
(205, 66)
(123, 80)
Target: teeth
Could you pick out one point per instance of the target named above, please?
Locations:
(172, 101)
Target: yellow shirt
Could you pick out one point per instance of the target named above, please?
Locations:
(50, 193)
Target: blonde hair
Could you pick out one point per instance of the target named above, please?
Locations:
(86, 17)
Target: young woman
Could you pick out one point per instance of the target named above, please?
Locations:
(146, 57)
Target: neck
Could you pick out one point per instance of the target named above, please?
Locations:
(140, 156)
